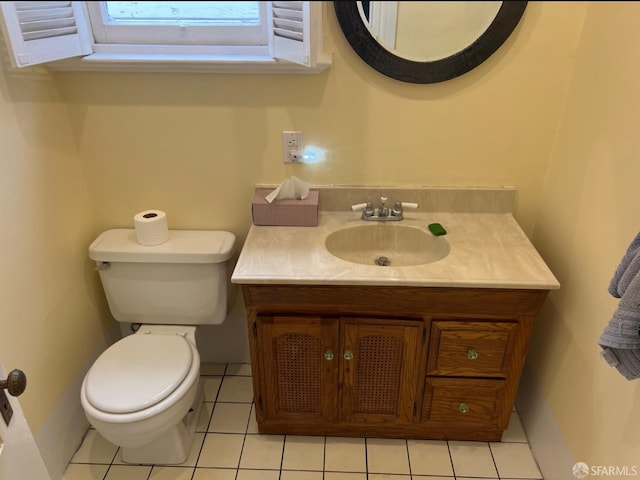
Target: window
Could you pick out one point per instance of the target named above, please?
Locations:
(166, 36)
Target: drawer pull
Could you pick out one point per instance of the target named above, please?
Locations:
(472, 354)
(348, 355)
(328, 355)
(463, 408)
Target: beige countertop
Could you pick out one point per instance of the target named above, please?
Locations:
(487, 250)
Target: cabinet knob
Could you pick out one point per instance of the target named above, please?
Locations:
(463, 408)
(472, 354)
(348, 355)
(328, 355)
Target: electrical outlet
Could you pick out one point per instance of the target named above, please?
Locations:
(291, 146)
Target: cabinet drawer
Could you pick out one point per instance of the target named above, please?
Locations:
(470, 348)
(464, 402)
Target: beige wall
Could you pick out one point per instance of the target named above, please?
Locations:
(588, 216)
(49, 311)
(194, 145)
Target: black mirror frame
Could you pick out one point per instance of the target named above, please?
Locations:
(387, 63)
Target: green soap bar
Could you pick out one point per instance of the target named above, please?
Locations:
(437, 229)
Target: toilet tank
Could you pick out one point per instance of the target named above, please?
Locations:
(183, 281)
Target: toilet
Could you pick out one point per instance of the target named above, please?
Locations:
(144, 392)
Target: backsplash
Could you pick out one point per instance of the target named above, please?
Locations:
(429, 199)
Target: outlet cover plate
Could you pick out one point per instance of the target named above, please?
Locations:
(291, 142)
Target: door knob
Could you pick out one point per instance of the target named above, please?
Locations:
(15, 383)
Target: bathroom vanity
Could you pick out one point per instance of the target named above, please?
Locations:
(412, 350)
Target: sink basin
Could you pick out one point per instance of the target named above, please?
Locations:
(387, 244)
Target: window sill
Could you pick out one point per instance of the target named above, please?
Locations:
(101, 62)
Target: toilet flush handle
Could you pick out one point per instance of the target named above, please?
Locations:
(103, 266)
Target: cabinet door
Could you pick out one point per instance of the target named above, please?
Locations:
(471, 349)
(299, 359)
(465, 403)
(380, 368)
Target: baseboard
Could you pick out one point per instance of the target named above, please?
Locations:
(64, 429)
(545, 437)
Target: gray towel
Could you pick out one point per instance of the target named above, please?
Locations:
(626, 270)
(620, 340)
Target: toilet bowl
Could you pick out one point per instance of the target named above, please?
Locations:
(144, 392)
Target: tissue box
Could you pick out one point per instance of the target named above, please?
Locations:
(300, 213)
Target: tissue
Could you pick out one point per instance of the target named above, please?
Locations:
(151, 227)
(291, 189)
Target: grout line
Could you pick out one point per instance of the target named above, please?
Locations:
(366, 458)
(406, 445)
(453, 467)
(284, 443)
(324, 456)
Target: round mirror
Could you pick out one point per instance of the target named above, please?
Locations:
(426, 42)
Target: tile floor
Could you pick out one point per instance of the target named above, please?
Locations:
(227, 446)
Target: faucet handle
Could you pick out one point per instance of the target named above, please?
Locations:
(399, 206)
(409, 205)
(367, 208)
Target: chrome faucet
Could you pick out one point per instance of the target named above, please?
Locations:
(383, 213)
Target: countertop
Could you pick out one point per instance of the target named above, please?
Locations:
(488, 250)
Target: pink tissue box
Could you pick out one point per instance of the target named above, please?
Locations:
(293, 213)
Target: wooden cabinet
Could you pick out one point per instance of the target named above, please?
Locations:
(323, 369)
(405, 362)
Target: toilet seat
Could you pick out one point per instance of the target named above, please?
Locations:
(138, 372)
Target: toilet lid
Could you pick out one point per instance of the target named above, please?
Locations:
(137, 372)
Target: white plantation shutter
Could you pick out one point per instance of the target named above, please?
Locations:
(39, 32)
(43, 32)
(292, 27)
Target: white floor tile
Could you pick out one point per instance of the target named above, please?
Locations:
(230, 417)
(344, 476)
(472, 459)
(387, 456)
(243, 369)
(515, 460)
(198, 438)
(211, 386)
(128, 472)
(430, 477)
(345, 454)
(214, 474)
(83, 471)
(236, 389)
(258, 475)
(221, 450)
(171, 473)
(262, 452)
(253, 425)
(95, 449)
(295, 475)
(205, 417)
(212, 368)
(429, 457)
(303, 453)
(388, 476)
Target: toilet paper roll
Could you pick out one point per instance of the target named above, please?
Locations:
(151, 227)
